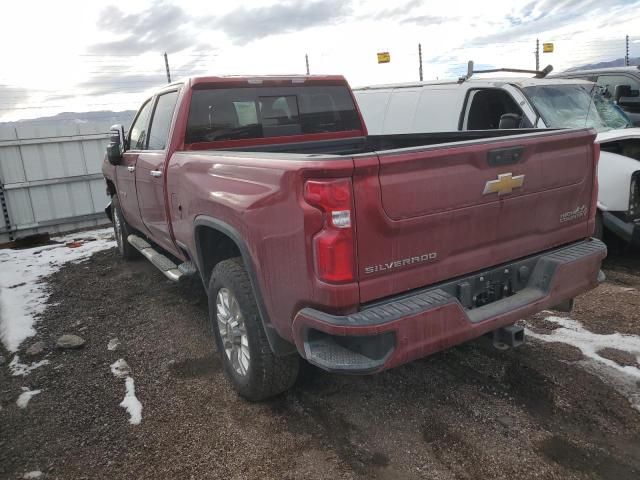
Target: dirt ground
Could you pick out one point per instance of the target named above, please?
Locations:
(471, 412)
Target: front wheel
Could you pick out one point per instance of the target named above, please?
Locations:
(122, 230)
(253, 369)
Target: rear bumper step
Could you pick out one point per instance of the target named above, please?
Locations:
(170, 270)
(411, 326)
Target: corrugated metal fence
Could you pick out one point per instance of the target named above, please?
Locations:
(50, 178)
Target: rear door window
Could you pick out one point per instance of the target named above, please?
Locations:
(261, 112)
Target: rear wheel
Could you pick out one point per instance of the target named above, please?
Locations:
(122, 231)
(253, 369)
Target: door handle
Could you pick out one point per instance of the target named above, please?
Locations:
(131, 169)
(156, 173)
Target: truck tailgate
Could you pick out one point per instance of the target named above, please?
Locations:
(437, 212)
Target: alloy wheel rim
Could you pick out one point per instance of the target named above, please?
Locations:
(233, 331)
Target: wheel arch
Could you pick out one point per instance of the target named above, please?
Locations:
(216, 241)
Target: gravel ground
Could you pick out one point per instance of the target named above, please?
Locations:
(470, 412)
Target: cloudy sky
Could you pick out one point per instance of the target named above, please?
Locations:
(83, 56)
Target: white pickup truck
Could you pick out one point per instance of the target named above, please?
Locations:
(510, 103)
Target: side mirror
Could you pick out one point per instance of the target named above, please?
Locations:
(509, 121)
(115, 147)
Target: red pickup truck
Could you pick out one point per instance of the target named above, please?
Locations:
(358, 253)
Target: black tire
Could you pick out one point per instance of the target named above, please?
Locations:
(598, 232)
(122, 231)
(267, 374)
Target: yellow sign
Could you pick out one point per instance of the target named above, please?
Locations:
(547, 48)
(505, 183)
(384, 57)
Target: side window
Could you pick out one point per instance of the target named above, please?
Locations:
(161, 122)
(138, 133)
(487, 106)
(609, 82)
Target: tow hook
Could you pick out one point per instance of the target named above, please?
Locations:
(508, 337)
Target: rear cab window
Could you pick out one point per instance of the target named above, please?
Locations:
(251, 113)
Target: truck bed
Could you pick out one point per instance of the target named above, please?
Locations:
(371, 143)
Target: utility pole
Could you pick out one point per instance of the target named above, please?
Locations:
(537, 54)
(626, 56)
(420, 59)
(166, 64)
(306, 60)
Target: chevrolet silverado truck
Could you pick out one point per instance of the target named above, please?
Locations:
(357, 253)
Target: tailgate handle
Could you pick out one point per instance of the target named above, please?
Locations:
(505, 156)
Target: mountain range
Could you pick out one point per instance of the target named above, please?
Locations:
(618, 62)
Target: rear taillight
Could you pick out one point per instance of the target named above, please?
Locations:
(333, 245)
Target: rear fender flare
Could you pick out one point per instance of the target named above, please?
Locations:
(278, 345)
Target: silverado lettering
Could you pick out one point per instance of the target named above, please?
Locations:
(400, 263)
(271, 192)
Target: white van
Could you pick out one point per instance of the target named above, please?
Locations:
(508, 103)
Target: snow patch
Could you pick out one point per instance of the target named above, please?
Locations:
(623, 378)
(131, 403)
(32, 475)
(23, 295)
(120, 368)
(22, 369)
(25, 396)
(113, 344)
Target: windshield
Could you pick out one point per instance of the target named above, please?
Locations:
(576, 106)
